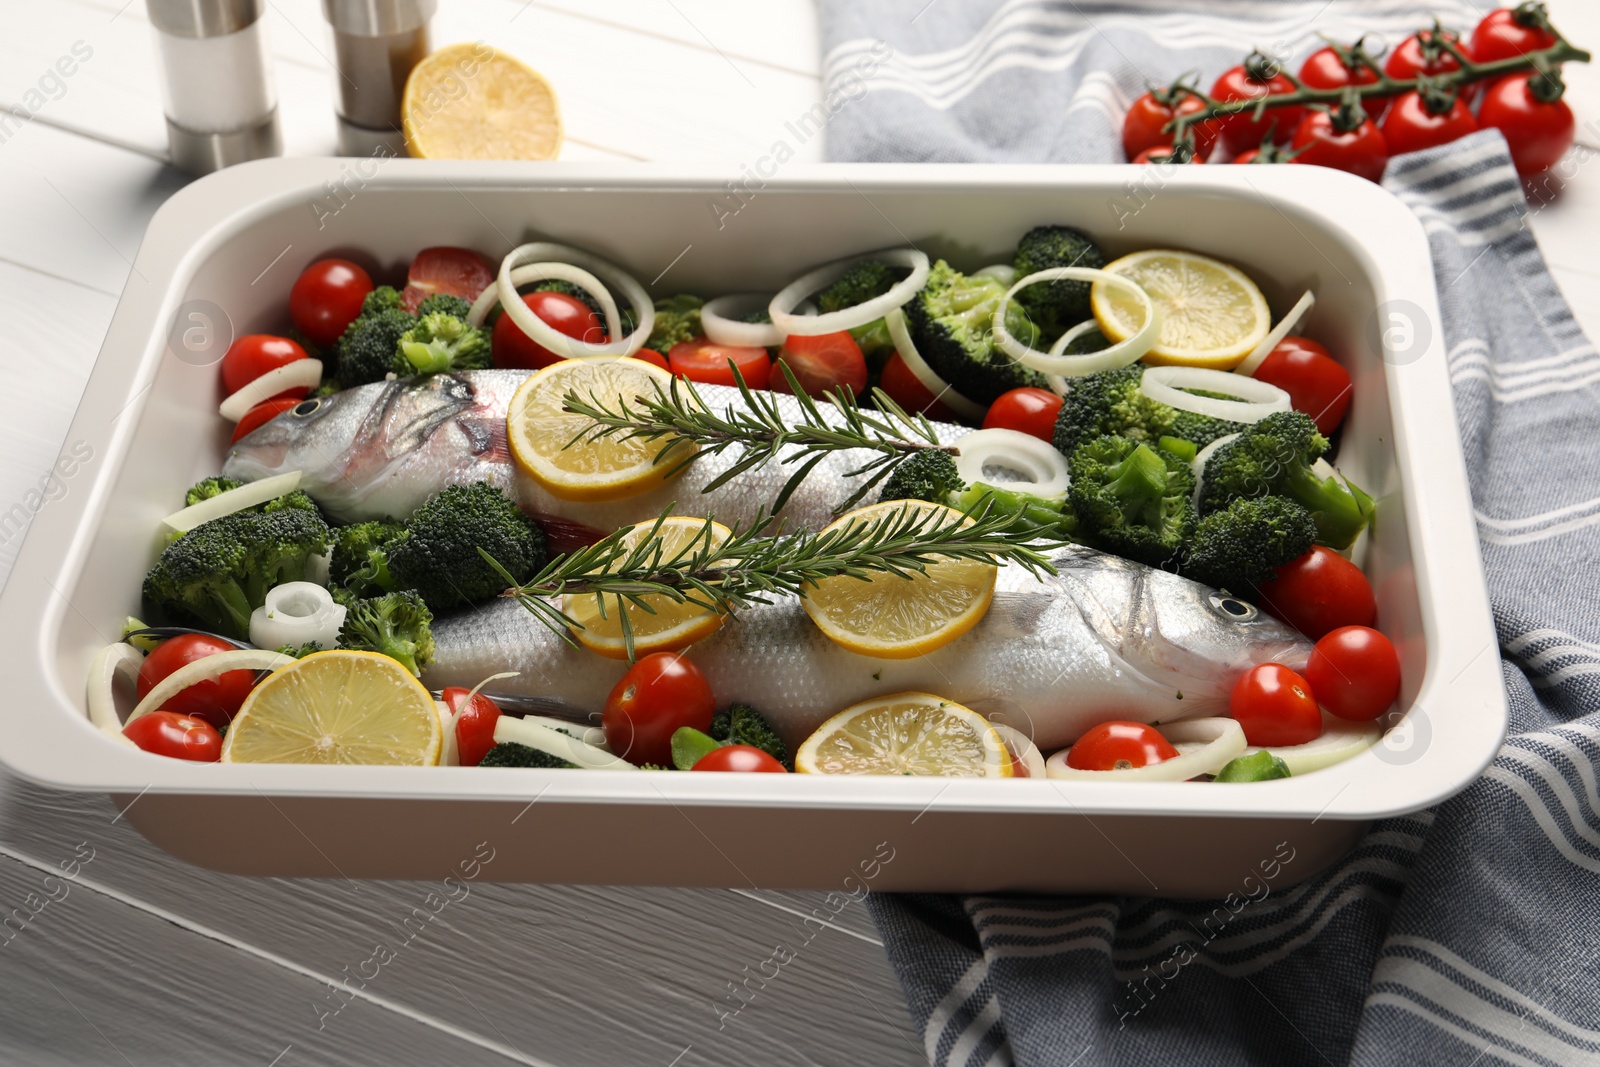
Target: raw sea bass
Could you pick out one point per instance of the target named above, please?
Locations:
(381, 450)
(1104, 638)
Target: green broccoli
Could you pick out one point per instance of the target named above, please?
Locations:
(861, 283)
(1274, 457)
(1110, 402)
(677, 320)
(368, 349)
(300, 651)
(511, 754)
(1132, 499)
(927, 475)
(1245, 543)
(741, 724)
(294, 500)
(440, 342)
(328, 387)
(439, 557)
(220, 572)
(952, 324)
(397, 625)
(444, 304)
(931, 475)
(360, 560)
(1055, 306)
(207, 488)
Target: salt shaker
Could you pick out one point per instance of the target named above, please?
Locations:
(216, 82)
(375, 43)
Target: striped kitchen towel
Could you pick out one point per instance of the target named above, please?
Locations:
(1467, 934)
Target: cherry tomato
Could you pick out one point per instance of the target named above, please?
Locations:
(1539, 131)
(167, 733)
(1361, 151)
(475, 728)
(659, 694)
(255, 354)
(1256, 76)
(1275, 706)
(702, 360)
(216, 701)
(1410, 126)
(1027, 410)
(1503, 34)
(452, 271)
(565, 314)
(907, 390)
(1418, 54)
(262, 414)
(1319, 592)
(738, 758)
(821, 363)
(652, 357)
(1118, 746)
(1142, 125)
(326, 298)
(1162, 154)
(1331, 68)
(1355, 673)
(1317, 383)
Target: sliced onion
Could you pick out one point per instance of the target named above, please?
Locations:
(783, 305)
(1259, 399)
(301, 374)
(297, 613)
(1004, 273)
(1202, 457)
(542, 253)
(1056, 362)
(942, 392)
(538, 272)
(1340, 740)
(1056, 382)
(204, 670)
(114, 663)
(1259, 354)
(1042, 470)
(248, 495)
(1022, 749)
(450, 753)
(1204, 745)
(589, 735)
(555, 743)
(721, 328)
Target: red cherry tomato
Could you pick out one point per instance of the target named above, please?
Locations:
(1361, 151)
(652, 357)
(1418, 55)
(475, 728)
(1319, 592)
(326, 298)
(452, 271)
(216, 701)
(565, 314)
(1255, 77)
(821, 363)
(907, 390)
(1027, 410)
(1161, 154)
(1317, 383)
(661, 693)
(262, 414)
(1538, 131)
(1275, 706)
(255, 354)
(1355, 673)
(738, 758)
(167, 733)
(1410, 126)
(1142, 125)
(703, 360)
(1118, 746)
(1326, 68)
(1502, 35)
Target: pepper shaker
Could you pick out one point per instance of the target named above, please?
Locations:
(375, 43)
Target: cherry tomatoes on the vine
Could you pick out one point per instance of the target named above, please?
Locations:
(1508, 32)
(1422, 53)
(1538, 130)
(1335, 67)
(1142, 125)
(1411, 125)
(1256, 76)
(1322, 140)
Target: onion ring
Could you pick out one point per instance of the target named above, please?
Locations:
(941, 390)
(1004, 273)
(1045, 468)
(534, 272)
(1259, 354)
(1167, 385)
(548, 336)
(1340, 740)
(1118, 355)
(721, 329)
(1022, 749)
(782, 307)
(1211, 743)
(111, 664)
(204, 670)
(1057, 383)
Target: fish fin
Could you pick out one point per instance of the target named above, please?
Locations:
(487, 438)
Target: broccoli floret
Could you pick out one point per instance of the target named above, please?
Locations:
(861, 283)
(207, 488)
(444, 304)
(928, 475)
(1110, 402)
(360, 560)
(439, 343)
(300, 651)
(1274, 457)
(1056, 306)
(1042, 516)
(439, 556)
(1132, 499)
(1244, 544)
(397, 625)
(383, 298)
(952, 324)
(743, 725)
(511, 754)
(295, 500)
(219, 572)
(328, 387)
(368, 348)
(677, 320)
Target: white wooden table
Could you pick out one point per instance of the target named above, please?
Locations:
(148, 961)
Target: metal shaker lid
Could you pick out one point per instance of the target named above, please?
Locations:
(204, 18)
(377, 18)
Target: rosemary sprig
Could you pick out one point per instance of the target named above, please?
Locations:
(762, 430)
(750, 567)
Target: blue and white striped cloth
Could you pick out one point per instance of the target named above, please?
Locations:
(1466, 934)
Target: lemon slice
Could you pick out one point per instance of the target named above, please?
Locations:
(897, 618)
(907, 733)
(607, 468)
(1212, 315)
(666, 625)
(337, 707)
(469, 101)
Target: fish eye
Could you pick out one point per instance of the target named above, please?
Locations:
(1233, 607)
(306, 407)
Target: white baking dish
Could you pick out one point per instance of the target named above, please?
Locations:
(238, 238)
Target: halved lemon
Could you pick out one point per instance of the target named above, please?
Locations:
(605, 468)
(338, 706)
(1212, 314)
(891, 617)
(468, 101)
(667, 625)
(907, 733)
